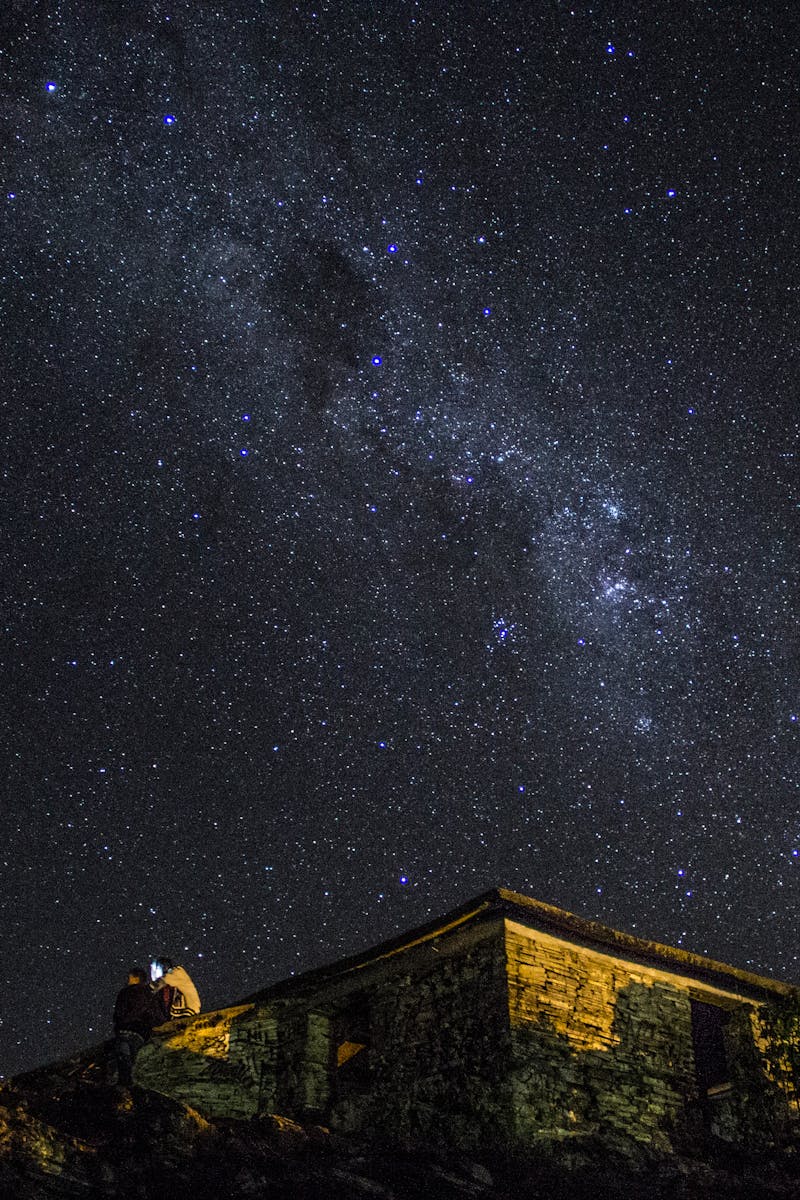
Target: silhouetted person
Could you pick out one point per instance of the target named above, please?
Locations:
(136, 1012)
(172, 983)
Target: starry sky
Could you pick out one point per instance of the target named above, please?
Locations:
(401, 494)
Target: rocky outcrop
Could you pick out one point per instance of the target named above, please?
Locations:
(69, 1138)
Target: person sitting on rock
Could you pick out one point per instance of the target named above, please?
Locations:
(136, 1013)
(172, 982)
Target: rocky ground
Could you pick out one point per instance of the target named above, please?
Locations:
(72, 1137)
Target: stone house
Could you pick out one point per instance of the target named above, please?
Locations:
(507, 1022)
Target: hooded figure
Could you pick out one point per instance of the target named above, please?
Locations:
(181, 999)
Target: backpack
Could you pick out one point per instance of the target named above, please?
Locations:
(166, 998)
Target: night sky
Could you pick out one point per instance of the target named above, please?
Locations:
(401, 487)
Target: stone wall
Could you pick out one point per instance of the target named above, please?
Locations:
(769, 1071)
(297, 1080)
(439, 1043)
(221, 1063)
(603, 1045)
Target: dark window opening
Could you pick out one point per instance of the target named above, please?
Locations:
(710, 1054)
(351, 1046)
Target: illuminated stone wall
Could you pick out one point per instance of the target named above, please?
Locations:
(603, 1045)
(219, 1062)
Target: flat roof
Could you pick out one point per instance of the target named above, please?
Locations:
(500, 902)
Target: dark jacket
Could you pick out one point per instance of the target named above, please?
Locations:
(138, 1010)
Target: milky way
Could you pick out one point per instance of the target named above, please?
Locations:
(401, 431)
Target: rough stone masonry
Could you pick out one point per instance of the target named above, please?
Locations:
(506, 1023)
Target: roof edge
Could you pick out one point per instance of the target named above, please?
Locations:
(686, 962)
(475, 909)
(504, 902)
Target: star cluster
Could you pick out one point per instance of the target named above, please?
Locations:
(401, 467)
